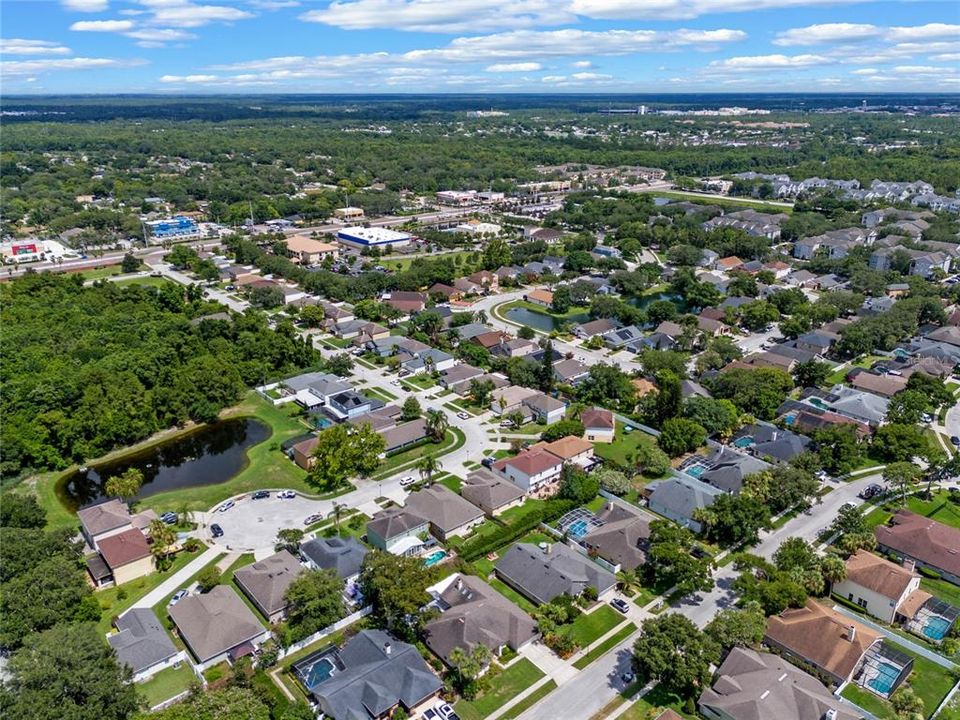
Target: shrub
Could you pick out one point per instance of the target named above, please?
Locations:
(520, 527)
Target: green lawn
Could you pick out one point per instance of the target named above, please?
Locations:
(530, 700)
(452, 482)
(516, 598)
(242, 561)
(724, 201)
(424, 382)
(942, 589)
(112, 605)
(623, 446)
(508, 684)
(658, 699)
(487, 527)
(869, 702)
(528, 429)
(603, 648)
(938, 508)
(512, 514)
(930, 681)
(145, 281)
(588, 627)
(167, 684)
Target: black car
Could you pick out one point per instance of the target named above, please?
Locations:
(955, 440)
(487, 462)
(216, 530)
(260, 495)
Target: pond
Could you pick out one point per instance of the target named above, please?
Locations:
(542, 321)
(210, 455)
(647, 300)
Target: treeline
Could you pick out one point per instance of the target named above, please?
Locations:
(90, 369)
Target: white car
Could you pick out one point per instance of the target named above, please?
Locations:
(445, 711)
(463, 415)
(407, 480)
(286, 494)
(227, 505)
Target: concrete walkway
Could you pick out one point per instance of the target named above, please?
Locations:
(178, 579)
(898, 639)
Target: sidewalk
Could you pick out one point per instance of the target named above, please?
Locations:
(168, 586)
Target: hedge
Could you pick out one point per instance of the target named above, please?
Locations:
(520, 527)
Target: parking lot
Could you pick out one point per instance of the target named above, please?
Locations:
(252, 525)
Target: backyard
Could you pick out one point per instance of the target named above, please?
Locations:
(939, 508)
(167, 683)
(624, 446)
(505, 686)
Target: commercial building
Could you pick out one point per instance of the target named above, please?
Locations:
(178, 227)
(363, 237)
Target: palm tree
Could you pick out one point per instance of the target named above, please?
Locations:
(427, 466)
(626, 580)
(338, 509)
(437, 424)
(480, 316)
(833, 569)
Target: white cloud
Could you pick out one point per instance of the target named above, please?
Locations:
(590, 76)
(102, 25)
(770, 62)
(16, 46)
(946, 57)
(553, 78)
(441, 15)
(830, 32)
(514, 67)
(581, 64)
(273, 4)
(33, 67)
(924, 70)
(185, 14)
(924, 32)
(864, 71)
(160, 35)
(85, 5)
(191, 79)
(681, 9)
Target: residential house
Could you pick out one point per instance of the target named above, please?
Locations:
(753, 223)
(343, 555)
(488, 281)
(657, 341)
(266, 581)
(489, 339)
(544, 298)
(544, 408)
(543, 574)
(532, 470)
(465, 286)
(372, 676)
(444, 292)
(470, 330)
(406, 302)
(126, 554)
(472, 613)
(779, 269)
(720, 282)
(800, 278)
(514, 347)
(729, 263)
(569, 449)
(462, 387)
(548, 235)
(398, 531)
(689, 388)
(678, 497)
(504, 401)
(587, 330)
(598, 425)
(817, 341)
(349, 404)
(217, 626)
(429, 360)
(449, 514)
(878, 586)
(491, 493)
(728, 468)
(570, 371)
(928, 543)
(457, 374)
(949, 334)
(755, 686)
(625, 337)
(622, 539)
(867, 407)
(712, 327)
(884, 385)
(771, 443)
(110, 517)
(142, 644)
(403, 435)
(834, 644)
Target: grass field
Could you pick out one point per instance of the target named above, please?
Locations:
(938, 508)
(109, 598)
(658, 699)
(530, 700)
(869, 702)
(588, 627)
(512, 595)
(508, 684)
(167, 684)
(406, 459)
(603, 648)
(723, 201)
(145, 281)
(942, 589)
(623, 445)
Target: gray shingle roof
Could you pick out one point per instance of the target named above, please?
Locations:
(215, 622)
(393, 522)
(443, 507)
(682, 495)
(379, 672)
(730, 468)
(265, 582)
(141, 641)
(488, 491)
(542, 575)
(344, 555)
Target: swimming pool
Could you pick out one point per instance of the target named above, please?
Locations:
(578, 529)
(936, 628)
(743, 442)
(434, 557)
(313, 671)
(886, 678)
(695, 471)
(323, 423)
(790, 419)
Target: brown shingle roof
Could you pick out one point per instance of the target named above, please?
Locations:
(821, 637)
(926, 540)
(877, 574)
(566, 448)
(530, 462)
(124, 548)
(266, 581)
(597, 418)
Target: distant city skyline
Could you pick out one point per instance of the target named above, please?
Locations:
(413, 46)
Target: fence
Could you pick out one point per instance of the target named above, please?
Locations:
(339, 625)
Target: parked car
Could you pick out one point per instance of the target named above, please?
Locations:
(445, 711)
(216, 530)
(848, 506)
(926, 417)
(177, 597)
(156, 273)
(487, 462)
(955, 441)
(227, 505)
(169, 517)
(621, 605)
(311, 519)
(463, 415)
(627, 677)
(286, 494)
(407, 480)
(260, 495)
(231, 287)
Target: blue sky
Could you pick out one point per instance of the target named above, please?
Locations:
(256, 46)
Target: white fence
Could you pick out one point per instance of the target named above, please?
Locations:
(349, 620)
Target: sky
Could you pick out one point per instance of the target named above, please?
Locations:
(419, 46)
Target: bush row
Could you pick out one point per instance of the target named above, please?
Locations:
(524, 524)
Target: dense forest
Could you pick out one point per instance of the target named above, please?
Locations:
(89, 369)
